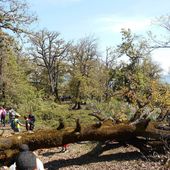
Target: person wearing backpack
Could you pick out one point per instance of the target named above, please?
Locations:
(30, 121)
(3, 116)
(11, 113)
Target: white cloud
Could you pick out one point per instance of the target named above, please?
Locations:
(162, 57)
(115, 24)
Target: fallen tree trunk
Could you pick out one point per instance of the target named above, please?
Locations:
(134, 134)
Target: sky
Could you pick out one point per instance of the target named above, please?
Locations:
(103, 19)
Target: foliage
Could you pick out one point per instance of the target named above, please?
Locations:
(48, 114)
(161, 95)
(132, 81)
(18, 90)
(86, 71)
(116, 88)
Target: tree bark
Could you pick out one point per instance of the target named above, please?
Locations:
(139, 135)
(77, 104)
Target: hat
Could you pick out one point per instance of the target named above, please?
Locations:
(26, 160)
(17, 114)
(24, 147)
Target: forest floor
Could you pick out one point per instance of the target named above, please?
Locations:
(86, 156)
(92, 156)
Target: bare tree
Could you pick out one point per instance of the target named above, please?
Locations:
(49, 51)
(15, 16)
(164, 40)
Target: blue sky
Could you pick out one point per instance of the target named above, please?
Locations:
(104, 19)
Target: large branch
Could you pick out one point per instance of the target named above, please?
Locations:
(9, 146)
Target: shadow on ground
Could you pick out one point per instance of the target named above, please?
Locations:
(94, 156)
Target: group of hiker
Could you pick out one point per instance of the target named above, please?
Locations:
(25, 159)
(14, 119)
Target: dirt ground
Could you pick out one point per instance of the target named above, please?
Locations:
(83, 156)
(90, 156)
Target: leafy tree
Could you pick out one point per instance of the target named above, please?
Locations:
(15, 17)
(132, 79)
(15, 89)
(83, 57)
(5, 47)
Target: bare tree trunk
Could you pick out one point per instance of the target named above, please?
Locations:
(56, 77)
(53, 77)
(77, 104)
(2, 83)
(57, 99)
(52, 83)
(1, 79)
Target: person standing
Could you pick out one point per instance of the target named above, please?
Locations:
(3, 116)
(11, 113)
(30, 121)
(17, 123)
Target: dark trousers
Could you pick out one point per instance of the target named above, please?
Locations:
(3, 120)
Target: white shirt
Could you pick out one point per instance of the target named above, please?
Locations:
(39, 163)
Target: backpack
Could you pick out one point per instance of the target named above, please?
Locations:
(11, 114)
(31, 118)
(3, 113)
